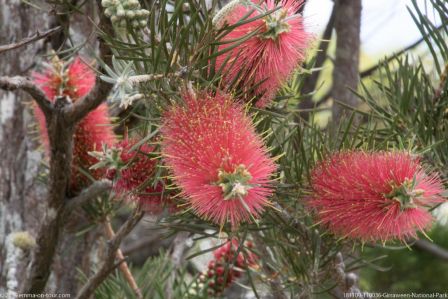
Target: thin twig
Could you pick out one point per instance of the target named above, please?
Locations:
(123, 266)
(274, 281)
(37, 36)
(346, 282)
(23, 83)
(112, 247)
(94, 190)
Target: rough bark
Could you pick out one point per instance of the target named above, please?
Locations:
(23, 191)
(21, 194)
(346, 66)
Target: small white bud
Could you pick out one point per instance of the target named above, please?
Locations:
(130, 14)
(114, 19)
(109, 12)
(106, 3)
(120, 11)
(142, 23)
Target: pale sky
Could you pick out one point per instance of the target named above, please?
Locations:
(386, 24)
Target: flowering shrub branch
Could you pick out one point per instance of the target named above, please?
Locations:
(112, 246)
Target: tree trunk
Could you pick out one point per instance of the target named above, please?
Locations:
(22, 174)
(21, 194)
(346, 66)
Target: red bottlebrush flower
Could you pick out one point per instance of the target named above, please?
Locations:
(217, 159)
(269, 57)
(226, 266)
(76, 80)
(374, 196)
(132, 179)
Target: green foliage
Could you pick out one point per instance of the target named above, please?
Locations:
(408, 109)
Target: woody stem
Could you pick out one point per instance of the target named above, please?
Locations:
(123, 266)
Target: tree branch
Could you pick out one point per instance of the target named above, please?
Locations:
(23, 83)
(432, 249)
(112, 246)
(61, 143)
(37, 36)
(123, 266)
(94, 190)
(102, 88)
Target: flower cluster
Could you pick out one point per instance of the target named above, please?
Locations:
(264, 61)
(217, 159)
(76, 80)
(227, 266)
(122, 12)
(374, 196)
(131, 169)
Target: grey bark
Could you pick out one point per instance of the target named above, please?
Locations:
(23, 191)
(21, 194)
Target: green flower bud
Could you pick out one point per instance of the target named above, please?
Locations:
(106, 3)
(133, 4)
(135, 24)
(114, 19)
(142, 23)
(109, 12)
(130, 14)
(120, 11)
(138, 13)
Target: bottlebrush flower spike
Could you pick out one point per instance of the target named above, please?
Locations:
(217, 159)
(131, 179)
(227, 262)
(76, 80)
(374, 196)
(266, 60)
